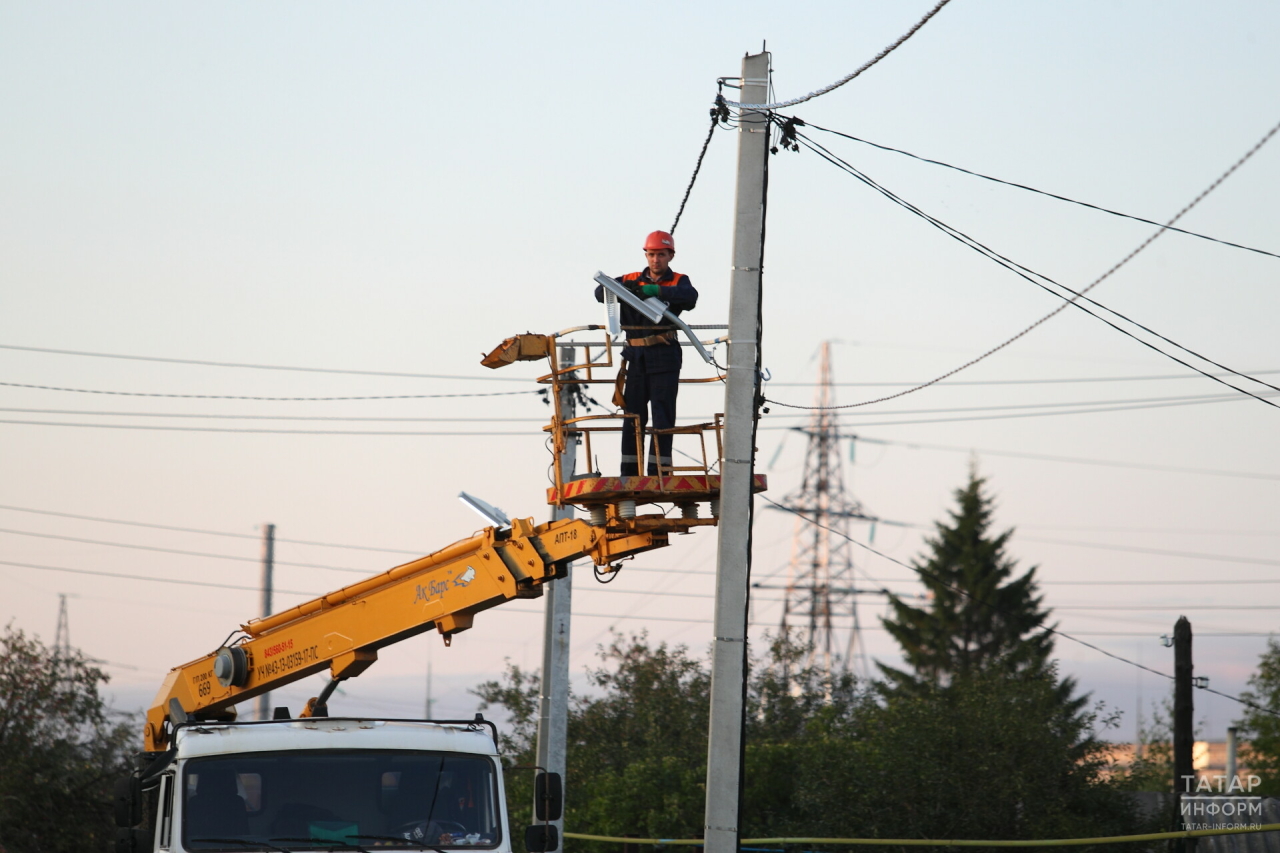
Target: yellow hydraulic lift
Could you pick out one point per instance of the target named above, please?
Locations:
(343, 630)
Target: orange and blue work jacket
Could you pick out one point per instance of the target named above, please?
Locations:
(677, 291)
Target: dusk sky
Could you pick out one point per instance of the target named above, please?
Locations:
(397, 186)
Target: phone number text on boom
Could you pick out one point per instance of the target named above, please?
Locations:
(293, 660)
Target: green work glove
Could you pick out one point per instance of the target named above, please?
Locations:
(651, 289)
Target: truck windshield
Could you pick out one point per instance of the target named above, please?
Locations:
(333, 799)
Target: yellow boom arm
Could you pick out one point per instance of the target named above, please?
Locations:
(344, 629)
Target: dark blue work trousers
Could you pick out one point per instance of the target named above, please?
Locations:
(653, 377)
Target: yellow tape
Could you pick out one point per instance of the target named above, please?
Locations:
(955, 842)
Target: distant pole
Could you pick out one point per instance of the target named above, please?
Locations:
(430, 701)
(1183, 724)
(553, 701)
(1233, 746)
(741, 400)
(268, 573)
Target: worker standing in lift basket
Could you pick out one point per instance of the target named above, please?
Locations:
(650, 372)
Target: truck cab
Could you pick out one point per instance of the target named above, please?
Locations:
(322, 783)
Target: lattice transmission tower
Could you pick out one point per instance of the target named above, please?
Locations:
(821, 599)
(62, 635)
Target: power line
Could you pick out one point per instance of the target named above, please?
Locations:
(199, 530)
(703, 620)
(719, 112)
(868, 64)
(466, 433)
(1171, 608)
(1133, 549)
(179, 581)
(1043, 381)
(175, 551)
(1183, 398)
(259, 366)
(1231, 581)
(841, 164)
(1055, 413)
(163, 428)
(224, 417)
(1054, 631)
(1225, 558)
(397, 419)
(275, 399)
(1111, 463)
(1037, 279)
(1043, 192)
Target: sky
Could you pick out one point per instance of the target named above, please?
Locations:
(395, 187)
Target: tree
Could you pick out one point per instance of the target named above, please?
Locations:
(60, 751)
(637, 751)
(988, 756)
(980, 617)
(1261, 728)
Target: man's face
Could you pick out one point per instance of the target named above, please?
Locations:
(659, 261)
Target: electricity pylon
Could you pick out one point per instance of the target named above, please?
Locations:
(62, 636)
(820, 587)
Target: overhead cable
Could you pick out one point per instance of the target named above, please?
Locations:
(615, 616)
(225, 417)
(836, 85)
(1037, 279)
(1041, 381)
(176, 551)
(180, 581)
(1100, 546)
(1045, 457)
(201, 531)
(1188, 398)
(1019, 415)
(204, 363)
(264, 431)
(1232, 581)
(276, 399)
(960, 591)
(1055, 412)
(719, 113)
(1182, 398)
(1055, 195)
(835, 160)
(1225, 558)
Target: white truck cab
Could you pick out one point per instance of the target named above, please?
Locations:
(320, 783)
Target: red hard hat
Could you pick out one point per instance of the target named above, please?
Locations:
(659, 240)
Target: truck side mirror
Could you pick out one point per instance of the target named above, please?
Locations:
(548, 798)
(127, 796)
(541, 838)
(133, 840)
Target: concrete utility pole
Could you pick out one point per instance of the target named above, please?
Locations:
(1183, 725)
(729, 657)
(268, 580)
(553, 703)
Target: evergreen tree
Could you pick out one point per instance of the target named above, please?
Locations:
(980, 617)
